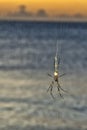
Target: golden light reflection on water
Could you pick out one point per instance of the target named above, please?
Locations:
(25, 101)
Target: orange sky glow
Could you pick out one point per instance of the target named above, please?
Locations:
(52, 7)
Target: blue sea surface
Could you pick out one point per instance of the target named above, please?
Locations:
(27, 51)
(32, 45)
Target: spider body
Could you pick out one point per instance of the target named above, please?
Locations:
(56, 76)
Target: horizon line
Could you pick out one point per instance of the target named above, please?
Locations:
(44, 20)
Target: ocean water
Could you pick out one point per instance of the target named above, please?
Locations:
(27, 51)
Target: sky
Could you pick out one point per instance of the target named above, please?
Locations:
(63, 8)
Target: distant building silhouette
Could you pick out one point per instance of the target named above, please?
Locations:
(64, 16)
(78, 15)
(21, 12)
(41, 13)
(22, 9)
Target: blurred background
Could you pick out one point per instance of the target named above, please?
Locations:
(27, 51)
(29, 32)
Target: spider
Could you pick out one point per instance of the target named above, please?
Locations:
(56, 77)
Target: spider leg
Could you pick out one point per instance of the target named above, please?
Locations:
(58, 87)
(62, 88)
(62, 75)
(51, 92)
(51, 88)
(50, 75)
